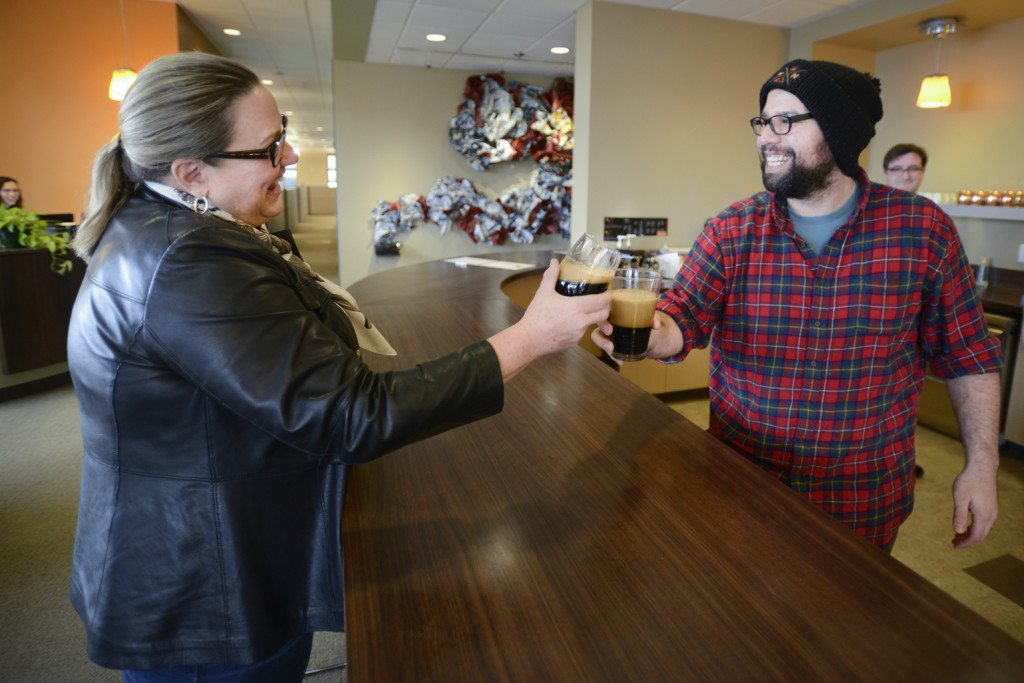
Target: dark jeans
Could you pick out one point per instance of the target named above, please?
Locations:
(287, 664)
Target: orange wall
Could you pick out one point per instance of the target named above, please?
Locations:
(57, 56)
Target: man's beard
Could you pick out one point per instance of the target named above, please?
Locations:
(801, 182)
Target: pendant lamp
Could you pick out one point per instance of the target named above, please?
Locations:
(122, 78)
(935, 90)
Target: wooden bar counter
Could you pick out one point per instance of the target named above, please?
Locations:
(591, 533)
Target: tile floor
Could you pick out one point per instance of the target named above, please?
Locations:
(924, 539)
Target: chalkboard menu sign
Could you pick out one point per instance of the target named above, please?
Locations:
(642, 227)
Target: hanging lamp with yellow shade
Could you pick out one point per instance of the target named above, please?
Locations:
(935, 91)
(122, 78)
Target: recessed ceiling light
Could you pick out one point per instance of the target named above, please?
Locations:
(437, 37)
(559, 50)
(267, 81)
(232, 32)
(288, 113)
(319, 129)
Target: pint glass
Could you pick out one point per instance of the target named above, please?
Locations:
(588, 268)
(634, 295)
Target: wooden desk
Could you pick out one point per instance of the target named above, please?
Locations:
(35, 308)
(591, 533)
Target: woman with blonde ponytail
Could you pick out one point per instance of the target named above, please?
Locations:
(109, 191)
(223, 395)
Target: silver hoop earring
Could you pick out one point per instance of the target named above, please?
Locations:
(200, 205)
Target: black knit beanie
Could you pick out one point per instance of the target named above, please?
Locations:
(845, 103)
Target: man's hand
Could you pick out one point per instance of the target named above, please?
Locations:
(975, 505)
(666, 339)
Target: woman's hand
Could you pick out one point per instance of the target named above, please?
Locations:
(552, 322)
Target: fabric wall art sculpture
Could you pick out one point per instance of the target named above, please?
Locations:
(495, 123)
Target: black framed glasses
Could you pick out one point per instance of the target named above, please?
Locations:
(780, 123)
(912, 170)
(274, 151)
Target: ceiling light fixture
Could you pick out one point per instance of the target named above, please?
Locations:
(935, 91)
(437, 37)
(559, 50)
(121, 79)
(267, 81)
(232, 32)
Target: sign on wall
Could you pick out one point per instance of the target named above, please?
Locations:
(642, 227)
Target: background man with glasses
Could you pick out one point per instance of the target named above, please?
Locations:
(822, 299)
(904, 166)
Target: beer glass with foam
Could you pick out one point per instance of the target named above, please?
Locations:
(588, 268)
(634, 296)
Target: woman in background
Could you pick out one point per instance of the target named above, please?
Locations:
(223, 396)
(10, 193)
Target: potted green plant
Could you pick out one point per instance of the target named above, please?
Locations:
(22, 229)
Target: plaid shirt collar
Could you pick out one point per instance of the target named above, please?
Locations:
(780, 210)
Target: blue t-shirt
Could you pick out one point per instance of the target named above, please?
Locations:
(818, 230)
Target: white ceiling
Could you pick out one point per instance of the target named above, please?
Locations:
(289, 41)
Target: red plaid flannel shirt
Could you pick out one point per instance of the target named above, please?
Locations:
(817, 362)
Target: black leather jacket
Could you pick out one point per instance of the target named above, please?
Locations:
(221, 402)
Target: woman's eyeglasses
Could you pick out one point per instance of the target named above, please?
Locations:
(273, 152)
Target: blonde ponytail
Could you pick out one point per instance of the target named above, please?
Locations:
(110, 189)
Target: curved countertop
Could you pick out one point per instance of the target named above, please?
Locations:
(589, 532)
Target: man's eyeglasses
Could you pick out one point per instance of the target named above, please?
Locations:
(912, 170)
(273, 152)
(780, 124)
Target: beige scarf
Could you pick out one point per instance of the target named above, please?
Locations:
(369, 337)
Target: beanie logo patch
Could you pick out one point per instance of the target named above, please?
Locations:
(788, 75)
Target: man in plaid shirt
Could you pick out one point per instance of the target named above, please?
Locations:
(823, 299)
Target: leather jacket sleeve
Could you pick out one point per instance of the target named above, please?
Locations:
(227, 313)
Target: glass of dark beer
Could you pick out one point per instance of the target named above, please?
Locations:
(634, 296)
(588, 268)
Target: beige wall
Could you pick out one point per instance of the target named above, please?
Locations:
(391, 126)
(976, 143)
(667, 133)
(312, 168)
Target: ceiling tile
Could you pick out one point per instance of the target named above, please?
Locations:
(445, 19)
(495, 44)
(655, 4)
(472, 5)
(390, 10)
(725, 9)
(788, 13)
(548, 9)
(516, 24)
